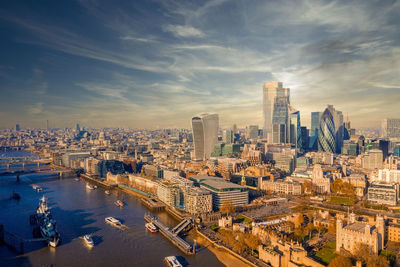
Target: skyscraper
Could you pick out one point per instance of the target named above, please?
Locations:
(331, 131)
(326, 133)
(295, 129)
(390, 128)
(205, 135)
(77, 127)
(252, 132)
(315, 122)
(275, 111)
(17, 127)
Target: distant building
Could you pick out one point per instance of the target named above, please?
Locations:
(275, 110)
(315, 116)
(391, 128)
(372, 159)
(205, 135)
(331, 131)
(282, 187)
(252, 132)
(17, 127)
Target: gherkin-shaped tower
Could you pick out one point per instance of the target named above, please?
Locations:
(326, 134)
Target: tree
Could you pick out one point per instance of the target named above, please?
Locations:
(252, 241)
(340, 261)
(227, 207)
(365, 254)
(240, 245)
(308, 187)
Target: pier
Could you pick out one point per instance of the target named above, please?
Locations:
(153, 204)
(172, 235)
(97, 181)
(15, 242)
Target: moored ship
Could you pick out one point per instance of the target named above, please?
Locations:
(151, 227)
(113, 221)
(119, 203)
(172, 261)
(47, 224)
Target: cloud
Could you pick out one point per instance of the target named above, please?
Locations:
(184, 31)
(36, 109)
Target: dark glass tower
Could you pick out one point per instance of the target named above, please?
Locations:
(327, 133)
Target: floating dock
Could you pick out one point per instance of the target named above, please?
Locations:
(153, 204)
(172, 235)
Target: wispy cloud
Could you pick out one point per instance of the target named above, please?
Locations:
(184, 31)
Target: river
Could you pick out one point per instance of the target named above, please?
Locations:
(81, 211)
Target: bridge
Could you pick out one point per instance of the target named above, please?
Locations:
(172, 235)
(9, 161)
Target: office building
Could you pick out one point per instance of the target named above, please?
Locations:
(383, 193)
(205, 135)
(389, 176)
(169, 193)
(252, 132)
(391, 128)
(331, 131)
(229, 137)
(275, 110)
(222, 190)
(198, 200)
(315, 123)
(17, 127)
(295, 130)
(372, 159)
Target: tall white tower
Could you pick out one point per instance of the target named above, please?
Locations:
(205, 135)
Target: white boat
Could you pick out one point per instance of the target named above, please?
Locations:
(36, 188)
(107, 192)
(151, 227)
(119, 203)
(88, 241)
(113, 221)
(172, 261)
(89, 186)
(54, 242)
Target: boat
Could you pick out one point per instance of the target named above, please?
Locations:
(88, 241)
(151, 227)
(107, 192)
(89, 186)
(76, 179)
(37, 188)
(119, 203)
(113, 221)
(47, 224)
(172, 261)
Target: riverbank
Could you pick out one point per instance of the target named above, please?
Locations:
(223, 256)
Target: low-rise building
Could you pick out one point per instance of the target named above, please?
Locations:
(282, 187)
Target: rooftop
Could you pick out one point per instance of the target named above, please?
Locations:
(216, 183)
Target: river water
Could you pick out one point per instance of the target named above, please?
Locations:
(81, 211)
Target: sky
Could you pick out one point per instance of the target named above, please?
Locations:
(155, 64)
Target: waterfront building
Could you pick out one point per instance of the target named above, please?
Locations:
(169, 193)
(315, 116)
(222, 190)
(391, 128)
(350, 235)
(198, 200)
(275, 109)
(383, 193)
(372, 159)
(69, 156)
(205, 135)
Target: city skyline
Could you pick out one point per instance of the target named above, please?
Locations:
(154, 65)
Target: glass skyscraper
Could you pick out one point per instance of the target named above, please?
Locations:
(315, 122)
(275, 112)
(331, 131)
(205, 135)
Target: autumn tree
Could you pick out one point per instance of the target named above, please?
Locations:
(340, 261)
(240, 245)
(308, 187)
(364, 253)
(252, 241)
(227, 207)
